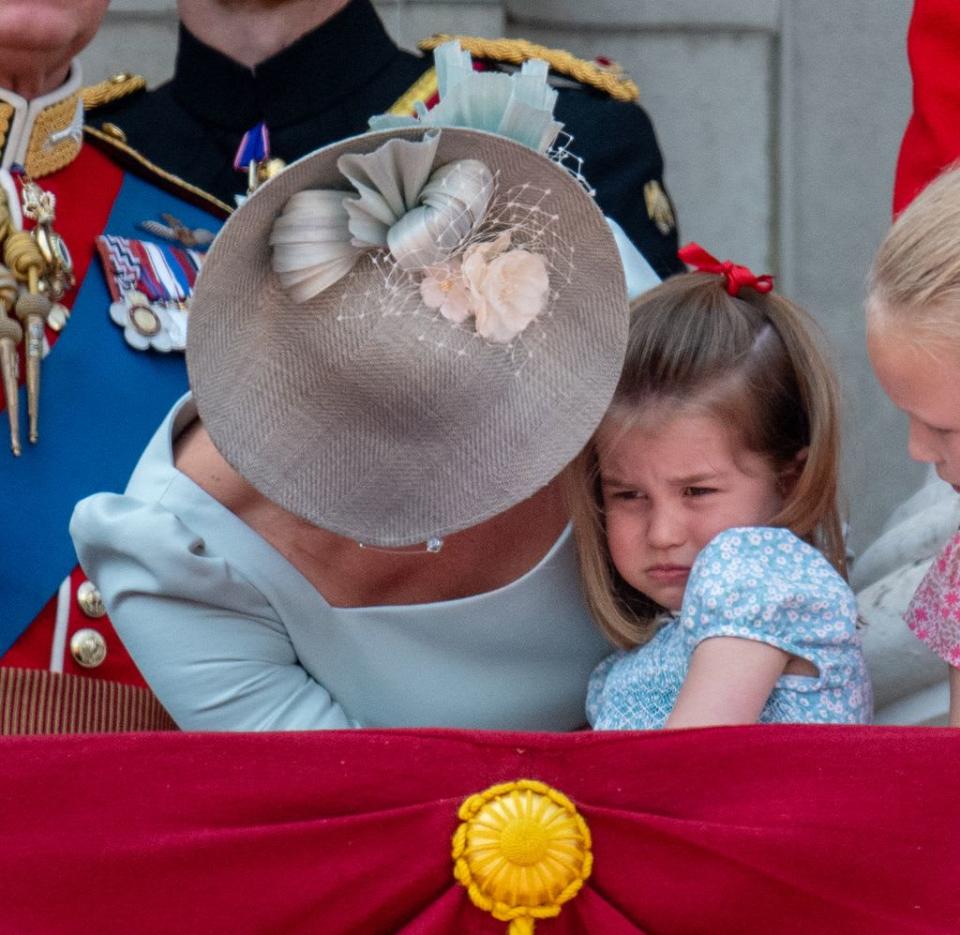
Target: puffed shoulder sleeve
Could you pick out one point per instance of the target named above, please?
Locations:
(206, 640)
(596, 685)
(763, 583)
(934, 611)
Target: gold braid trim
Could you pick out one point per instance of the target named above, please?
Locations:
(6, 115)
(611, 79)
(34, 701)
(43, 156)
(115, 87)
(112, 142)
(421, 90)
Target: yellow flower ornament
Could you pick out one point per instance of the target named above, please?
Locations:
(522, 850)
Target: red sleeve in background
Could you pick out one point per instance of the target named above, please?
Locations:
(932, 138)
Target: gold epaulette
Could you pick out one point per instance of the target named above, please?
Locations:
(112, 89)
(113, 141)
(608, 78)
(420, 91)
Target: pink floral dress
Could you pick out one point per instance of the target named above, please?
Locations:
(934, 611)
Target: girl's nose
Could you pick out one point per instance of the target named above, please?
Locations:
(665, 527)
(920, 443)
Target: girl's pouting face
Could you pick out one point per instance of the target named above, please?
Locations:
(921, 375)
(669, 486)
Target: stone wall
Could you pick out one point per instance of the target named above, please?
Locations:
(779, 120)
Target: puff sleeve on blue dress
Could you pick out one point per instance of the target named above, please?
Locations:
(752, 583)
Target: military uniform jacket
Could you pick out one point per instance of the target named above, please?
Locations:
(100, 400)
(324, 87)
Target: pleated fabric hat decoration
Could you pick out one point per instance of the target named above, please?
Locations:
(410, 331)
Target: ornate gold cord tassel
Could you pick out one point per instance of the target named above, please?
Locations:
(10, 335)
(23, 256)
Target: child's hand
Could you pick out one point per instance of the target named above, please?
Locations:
(728, 682)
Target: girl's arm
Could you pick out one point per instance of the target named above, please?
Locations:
(954, 720)
(729, 681)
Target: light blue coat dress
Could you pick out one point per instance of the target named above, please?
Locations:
(230, 636)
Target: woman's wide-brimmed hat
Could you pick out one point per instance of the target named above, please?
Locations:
(408, 332)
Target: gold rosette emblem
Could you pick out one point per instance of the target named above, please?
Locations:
(522, 850)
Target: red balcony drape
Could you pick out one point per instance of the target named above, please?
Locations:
(762, 829)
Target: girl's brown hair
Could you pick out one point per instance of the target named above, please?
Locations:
(753, 361)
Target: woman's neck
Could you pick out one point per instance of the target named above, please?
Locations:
(483, 558)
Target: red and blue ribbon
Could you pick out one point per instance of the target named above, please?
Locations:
(254, 147)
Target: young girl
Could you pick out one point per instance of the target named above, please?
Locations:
(707, 522)
(913, 339)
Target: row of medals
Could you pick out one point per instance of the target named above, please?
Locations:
(39, 270)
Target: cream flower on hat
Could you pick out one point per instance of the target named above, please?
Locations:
(505, 290)
(508, 288)
(444, 289)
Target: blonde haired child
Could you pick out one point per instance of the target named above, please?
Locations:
(706, 514)
(913, 339)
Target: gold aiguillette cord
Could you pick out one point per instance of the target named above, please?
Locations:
(10, 336)
(39, 261)
(23, 256)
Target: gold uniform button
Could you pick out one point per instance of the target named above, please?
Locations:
(88, 648)
(112, 130)
(90, 601)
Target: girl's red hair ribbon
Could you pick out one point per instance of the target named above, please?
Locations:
(736, 276)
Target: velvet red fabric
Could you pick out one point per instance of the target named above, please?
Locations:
(932, 138)
(763, 829)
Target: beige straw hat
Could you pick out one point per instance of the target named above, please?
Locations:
(423, 388)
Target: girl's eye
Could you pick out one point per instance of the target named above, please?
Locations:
(698, 491)
(622, 494)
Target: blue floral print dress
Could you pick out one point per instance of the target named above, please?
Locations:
(756, 583)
